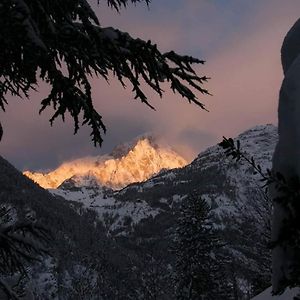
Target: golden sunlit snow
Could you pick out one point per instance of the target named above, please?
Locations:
(140, 163)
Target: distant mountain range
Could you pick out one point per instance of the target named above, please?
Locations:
(137, 223)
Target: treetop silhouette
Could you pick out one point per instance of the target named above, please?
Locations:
(62, 43)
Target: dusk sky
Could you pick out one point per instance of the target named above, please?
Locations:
(240, 41)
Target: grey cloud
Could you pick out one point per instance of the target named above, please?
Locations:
(42, 147)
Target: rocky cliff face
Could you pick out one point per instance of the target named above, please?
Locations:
(128, 163)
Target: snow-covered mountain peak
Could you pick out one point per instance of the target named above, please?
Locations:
(258, 134)
(147, 139)
(130, 162)
(258, 139)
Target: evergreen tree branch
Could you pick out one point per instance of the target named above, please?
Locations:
(62, 43)
(21, 243)
(117, 4)
(9, 292)
(233, 150)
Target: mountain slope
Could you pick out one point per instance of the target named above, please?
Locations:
(287, 295)
(79, 249)
(128, 163)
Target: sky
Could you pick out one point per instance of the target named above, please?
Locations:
(240, 41)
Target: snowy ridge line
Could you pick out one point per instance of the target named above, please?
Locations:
(128, 163)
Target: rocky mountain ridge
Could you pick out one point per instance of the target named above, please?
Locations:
(132, 162)
(258, 142)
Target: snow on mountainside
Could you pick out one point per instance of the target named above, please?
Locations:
(240, 211)
(230, 188)
(132, 162)
(219, 179)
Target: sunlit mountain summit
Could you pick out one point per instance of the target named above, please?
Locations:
(131, 162)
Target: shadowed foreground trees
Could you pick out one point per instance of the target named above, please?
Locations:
(21, 243)
(200, 273)
(62, 43)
